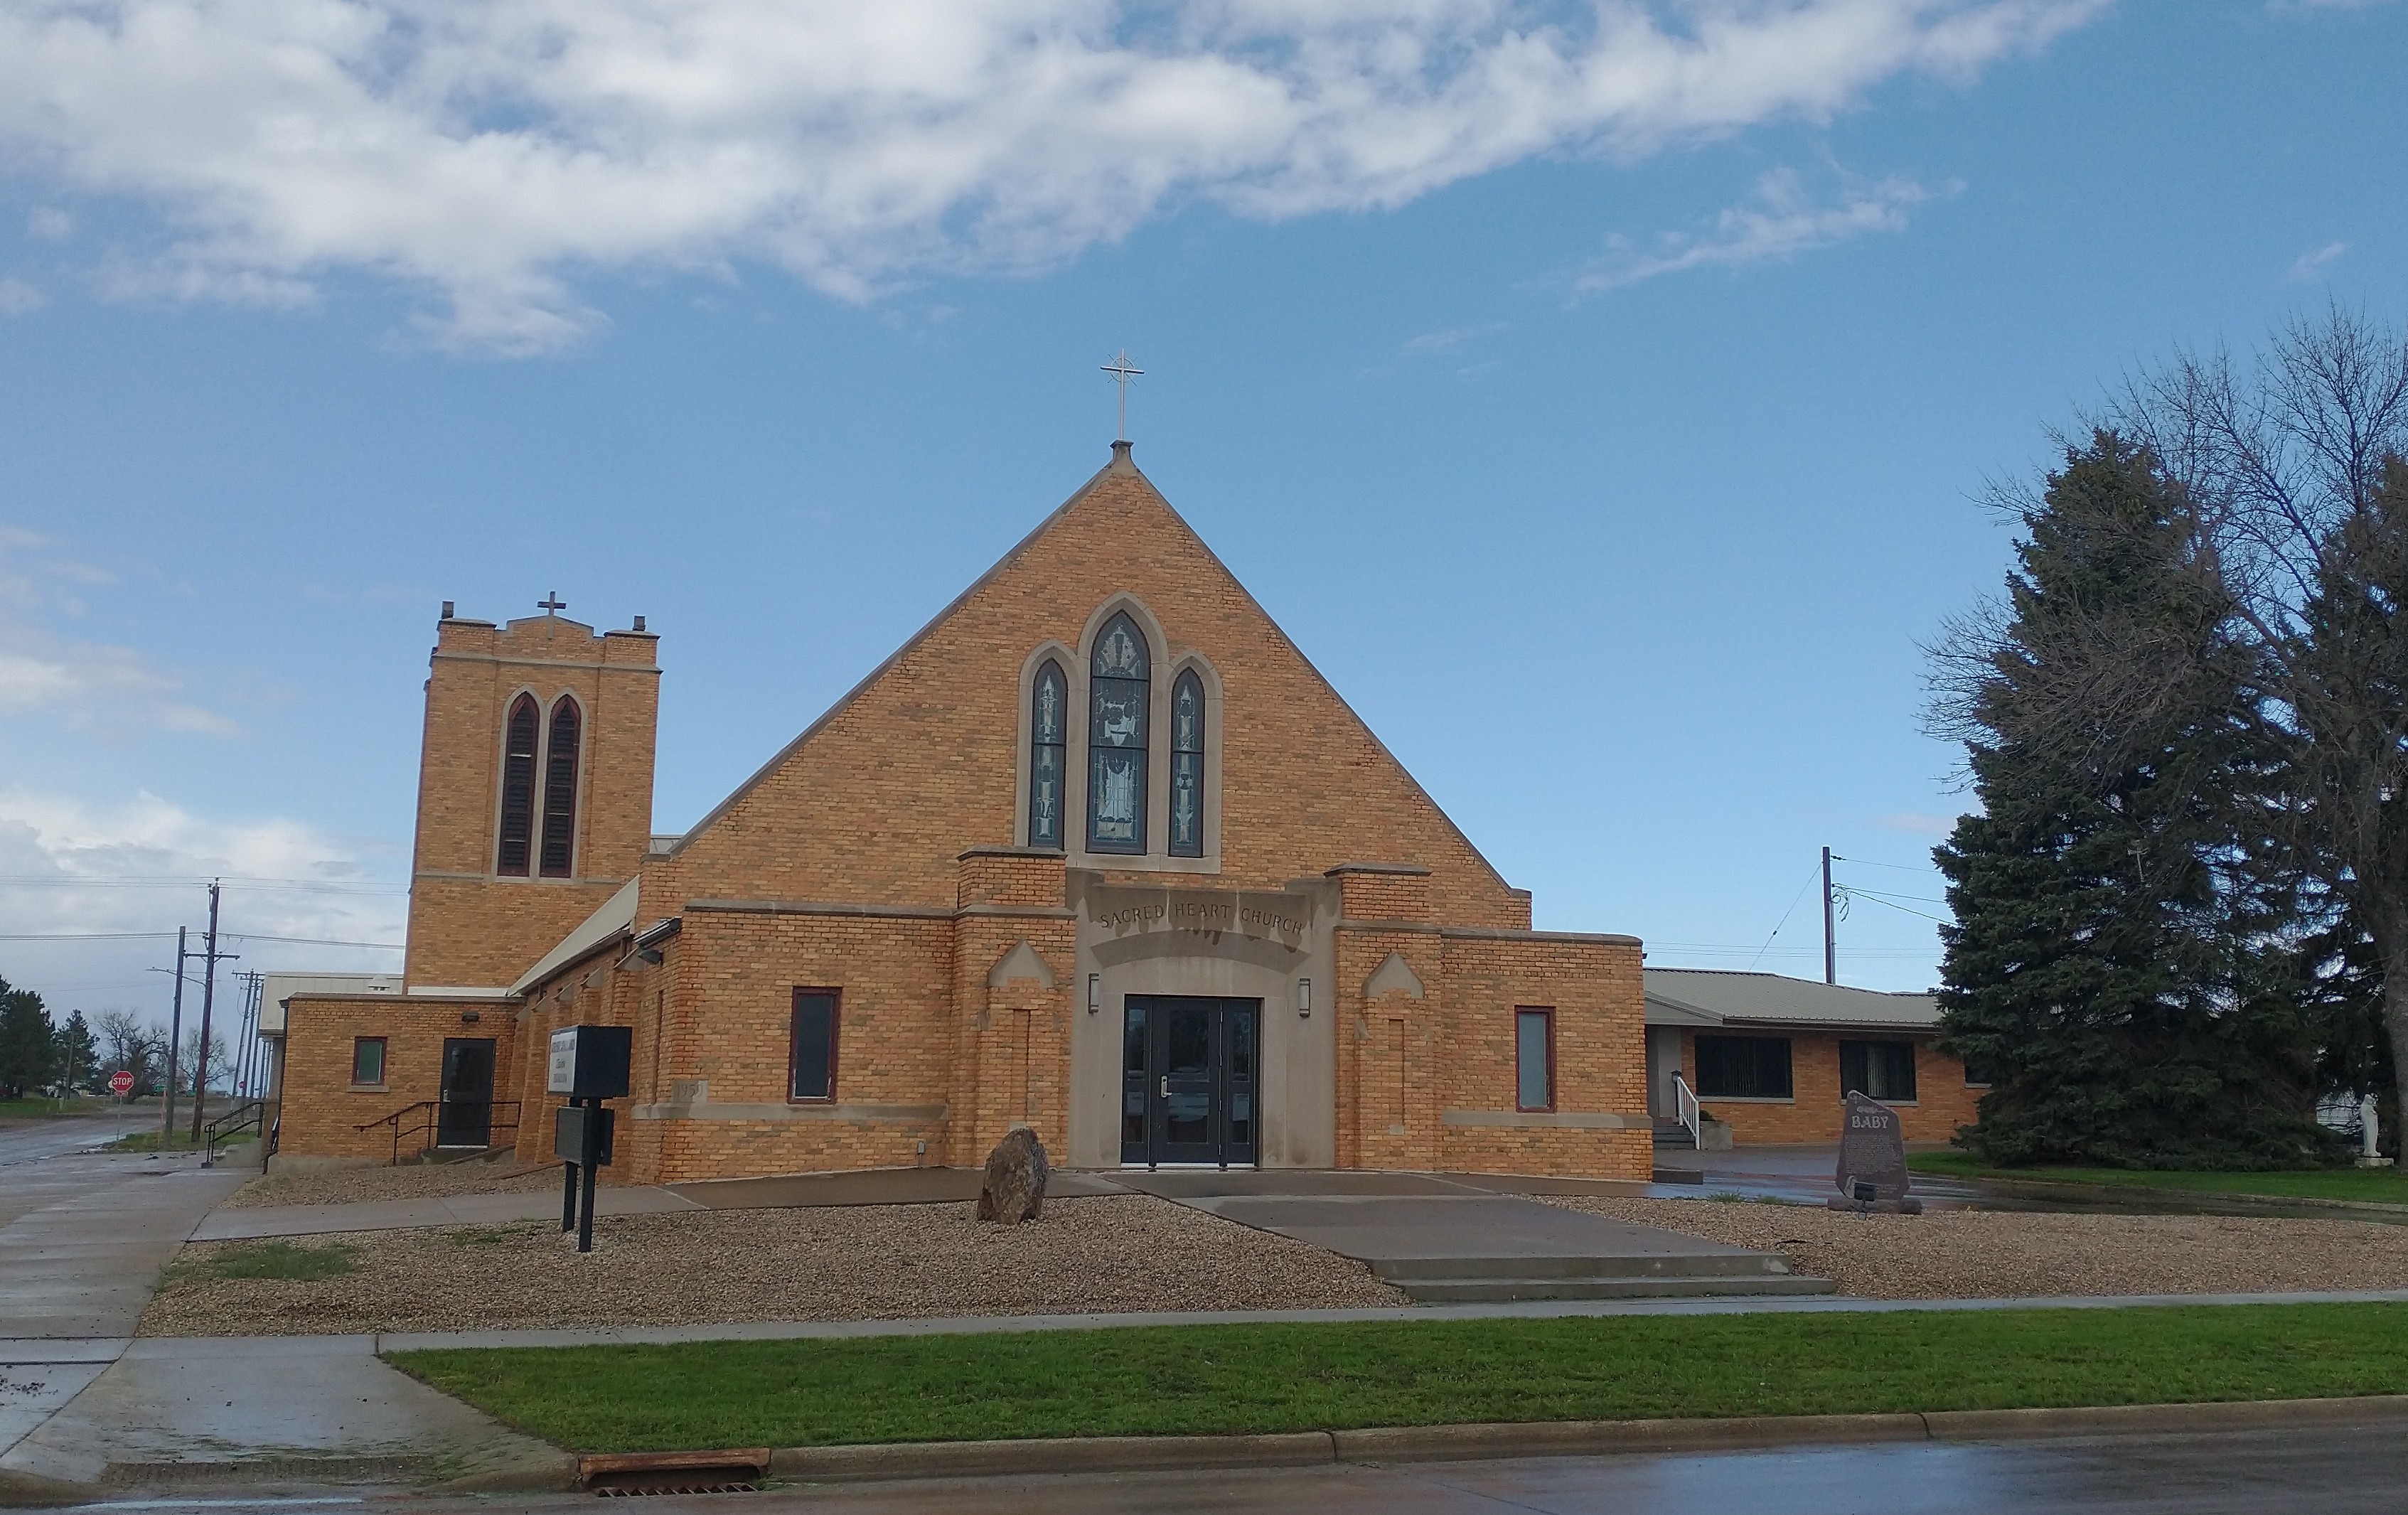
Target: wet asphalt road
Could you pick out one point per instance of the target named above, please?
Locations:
(2327, 1470)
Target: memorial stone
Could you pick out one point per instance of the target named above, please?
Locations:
(1872, 1159)
(1013, 1189)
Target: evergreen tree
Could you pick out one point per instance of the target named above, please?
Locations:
(27, 1054)
(77, 1052)
(2115, 970)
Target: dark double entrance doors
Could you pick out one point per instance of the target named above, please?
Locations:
(1190, 1079)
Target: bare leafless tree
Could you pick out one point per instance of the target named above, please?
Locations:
(2294, 464)
(129, 1041)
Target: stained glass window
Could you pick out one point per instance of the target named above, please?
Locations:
(1118, 686)
(1047, 715)
(560, 792)
(1188, 766)
(518, 734)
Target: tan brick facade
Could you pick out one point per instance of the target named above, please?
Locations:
(1942, 1103)
(982, 983)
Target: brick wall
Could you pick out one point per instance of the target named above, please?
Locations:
(468, 926)
(1942, 1101)
(1592, 986)
(322, 1108)
(876, 802)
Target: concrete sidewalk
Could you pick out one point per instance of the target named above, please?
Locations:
(83, 1402)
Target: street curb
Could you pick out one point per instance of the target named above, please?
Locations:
(1067, 1454)
(22, 1491)
(900, 1460)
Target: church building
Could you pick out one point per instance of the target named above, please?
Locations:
(1097, 852)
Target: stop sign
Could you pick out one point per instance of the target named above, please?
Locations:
(121, 1083)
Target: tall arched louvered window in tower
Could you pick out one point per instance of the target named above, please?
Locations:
(519, 732)
(1049, 716)
(560, 792)
(1118, 686)
(1188, 766)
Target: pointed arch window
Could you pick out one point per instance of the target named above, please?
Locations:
(1049, 719)
(560, 792)
(520, 732)
(1188, 766)
(1118, 685)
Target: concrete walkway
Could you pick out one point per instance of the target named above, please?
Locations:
(81, 1401)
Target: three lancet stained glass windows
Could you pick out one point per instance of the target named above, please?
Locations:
(1119, 741)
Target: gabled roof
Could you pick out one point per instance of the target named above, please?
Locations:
(617, 914)
(1123, 465)
(1719, 997)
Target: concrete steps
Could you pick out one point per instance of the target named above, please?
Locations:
(1458, 1280)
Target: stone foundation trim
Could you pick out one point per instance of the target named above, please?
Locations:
(805, 906)
(498, 994)
(842, 1113)
(582, 665)
(1547, 1120)
(1486, 934)
(1413, 870)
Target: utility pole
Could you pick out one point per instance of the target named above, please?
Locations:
(1831, 934)
(209, 994)
(247, 1059)
(175, 1034)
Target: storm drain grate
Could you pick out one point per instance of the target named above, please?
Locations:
(627, 1474)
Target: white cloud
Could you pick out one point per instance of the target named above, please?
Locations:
(491, 151)
(72, 869)
(1916, 824)
(2313, 262)
(1781, 221)
(96, 687)
(17, 297)
(50, 223)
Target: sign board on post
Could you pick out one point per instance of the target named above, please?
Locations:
(121, 1083)
(568, 1133)
(590, 1062)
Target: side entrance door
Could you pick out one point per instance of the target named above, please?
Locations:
(465, 1116)
(1189, 1079)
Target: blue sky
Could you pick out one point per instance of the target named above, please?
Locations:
(1600, 404)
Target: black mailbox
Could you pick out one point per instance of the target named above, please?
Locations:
(568, 1133)
(590, 1061)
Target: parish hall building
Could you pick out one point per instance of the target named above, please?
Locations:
(1097, 852)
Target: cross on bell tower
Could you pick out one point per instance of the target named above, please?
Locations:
(552, 603)
(1123, 371)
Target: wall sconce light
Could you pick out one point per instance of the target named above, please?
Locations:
(1095, 993)
(1304, 998)
(649, 954)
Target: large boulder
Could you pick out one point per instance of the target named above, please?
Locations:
(1013, 1190)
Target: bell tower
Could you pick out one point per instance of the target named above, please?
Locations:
(534, 790)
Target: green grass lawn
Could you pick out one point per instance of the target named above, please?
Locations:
(271, 1260)
(2382, 1185)
(22, 1108)
(1163, 1380)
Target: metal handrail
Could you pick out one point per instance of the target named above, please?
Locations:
(246, 1116)
(1686, 1105)
(429, 1123)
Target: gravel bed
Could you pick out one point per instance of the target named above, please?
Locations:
(412, 1180)
(869, 1262)
(2015, 1254)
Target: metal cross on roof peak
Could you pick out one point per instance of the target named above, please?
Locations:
(1123, 371)
(552, 603)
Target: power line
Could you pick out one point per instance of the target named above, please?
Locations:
(1785, 915)
(308, 886)
(313, 941)
(86, 935)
